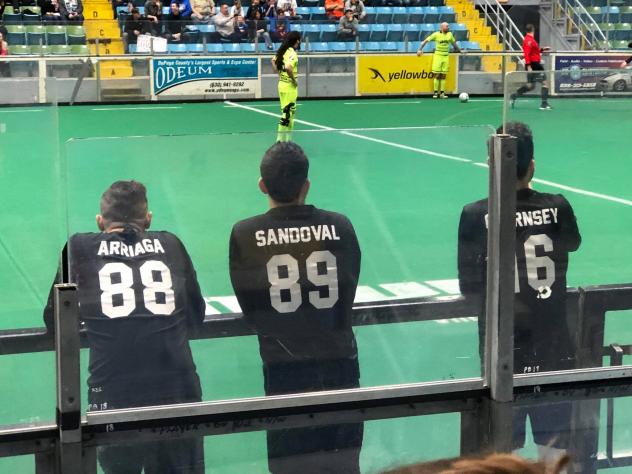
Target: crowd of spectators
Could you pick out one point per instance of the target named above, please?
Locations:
(64, 12)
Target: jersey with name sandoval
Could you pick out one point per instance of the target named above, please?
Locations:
(295, 271)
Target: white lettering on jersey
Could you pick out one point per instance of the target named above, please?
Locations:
(532, 218)
(295, 235)
(119, 248)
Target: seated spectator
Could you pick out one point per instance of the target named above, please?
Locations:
(334, 9)
(269, 9)
(71, 11)
(153, 15)
(357, 6)
(135, 25)
(203, 11)
(279, 27)
(4, 46)
(50, 12)
(184, 6)
(174, 24)
(258, 28)
(348, 26)
(289, 7)
(237, 10)
(255, 6)
(225, 25)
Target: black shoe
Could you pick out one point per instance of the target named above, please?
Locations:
(545, 106)
(513, 98)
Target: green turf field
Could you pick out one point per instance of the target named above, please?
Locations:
(402, 173)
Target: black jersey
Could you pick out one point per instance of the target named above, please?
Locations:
(295, 271)
(138, 299)
(546, 231)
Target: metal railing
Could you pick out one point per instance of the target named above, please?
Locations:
(579, 21)
(497, 17)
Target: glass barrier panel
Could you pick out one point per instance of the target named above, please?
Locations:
(571, 219)
(296, 283)
(32, 233)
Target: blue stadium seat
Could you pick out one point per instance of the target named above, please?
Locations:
(328, 32)
(317, 14)
(132, 49)
(165, 10)
(389, 46)
(304, 12)
(363, 32)
(319, 47)
(311, 33)
(469, 45)
(384, 14)
(400, 15)
(16, 34)
(247, 47)
(177, 48)
(412, 31)
(195, 48)
(214, 48)
(31, 19)
(35, 35)
(395, 33)
(426, 30)
(378, 33)
(206, 31)
(123, 10)
(371, 14)
(447, 14)
(459, 30)
(339, 47)
(10, 18)
(431, 15)
(614, 14)
(234, 48)
(416, 14)
(401, 46)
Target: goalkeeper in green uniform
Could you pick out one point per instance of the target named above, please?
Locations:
(441, 59)
(285, 63)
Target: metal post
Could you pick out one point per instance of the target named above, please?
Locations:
(608, 24)
(83, 72)
(67, 346)
(500, 268)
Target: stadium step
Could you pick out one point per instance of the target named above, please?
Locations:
(102, 29)
(122, 94)
(116, 69)
(98, 12)
(110, 46)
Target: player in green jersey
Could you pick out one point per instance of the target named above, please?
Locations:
(285, 63)
(440, 61)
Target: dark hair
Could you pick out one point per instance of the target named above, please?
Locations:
(530, 28)
(125, 202)
(291, 38)
(135, 10)
(525, 145)
(284, 169)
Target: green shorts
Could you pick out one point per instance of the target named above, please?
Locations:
(440, 64)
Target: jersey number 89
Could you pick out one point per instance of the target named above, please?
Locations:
(124, 289)
(321, 270)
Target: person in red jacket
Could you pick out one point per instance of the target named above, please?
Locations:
(532, 57)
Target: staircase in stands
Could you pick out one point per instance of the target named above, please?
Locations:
(100, 25)
(467, 13)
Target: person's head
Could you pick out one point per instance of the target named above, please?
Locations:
(525, 157)
(530, 29)
(353, 2)
(445, 27)
(255, 3)
(349, 13)
(175, 8)
(224, 9)
(257, 15)
(284, 170)
(135, 13)
(281, 13)
(291, 40)
(492, 464)
(124, 203)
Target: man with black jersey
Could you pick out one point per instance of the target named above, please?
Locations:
(139, 301)
(546, 231)
(295, 271)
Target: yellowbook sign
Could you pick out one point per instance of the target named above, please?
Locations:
(400, 74)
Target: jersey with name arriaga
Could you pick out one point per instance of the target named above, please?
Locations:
(546, 231)
(295, 271)
(139, 300)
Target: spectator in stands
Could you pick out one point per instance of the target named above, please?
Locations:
(4, 46)
(258, 28)
(289, 7)
(270, 9)
(357, 6)
(348, 26)
(237, 10)
(153, 14)
(71, 11)
(334, 9)
(225, 25)
(184, 6)
(279, 27)
(50, 11)
(135, 25)
(174, 26)
(203, 11)
(254, 7)
(627, 62)
(4, 51)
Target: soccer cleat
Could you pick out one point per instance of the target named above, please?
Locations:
(444, 96)
(435, 96)
(513, 98)
(545, 106)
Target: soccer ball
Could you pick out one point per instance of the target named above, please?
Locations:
(464, 97)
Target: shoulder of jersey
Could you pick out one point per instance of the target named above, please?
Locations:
(476, 207)
(253, 221)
